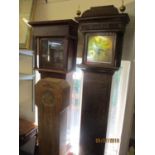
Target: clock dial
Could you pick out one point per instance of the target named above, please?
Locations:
(100, 49)
(52, 53)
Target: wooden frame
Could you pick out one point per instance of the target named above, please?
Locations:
(65, 30)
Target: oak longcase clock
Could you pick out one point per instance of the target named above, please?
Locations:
(103, 29)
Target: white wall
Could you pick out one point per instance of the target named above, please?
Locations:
(65, 9)
(25, 100)
(25, 7)
(26, 110)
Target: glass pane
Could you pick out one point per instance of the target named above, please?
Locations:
(52, 53)
(100, 48)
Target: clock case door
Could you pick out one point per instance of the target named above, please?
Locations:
(50, 61)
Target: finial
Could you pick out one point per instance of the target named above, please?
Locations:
(78, 12)
(122, 7)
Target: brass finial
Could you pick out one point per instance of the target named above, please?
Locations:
(78, 12)
(122, 7)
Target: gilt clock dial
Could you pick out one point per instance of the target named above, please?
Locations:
(100, 48)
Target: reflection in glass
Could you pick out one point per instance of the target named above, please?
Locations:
(52, 53)
(100, 48)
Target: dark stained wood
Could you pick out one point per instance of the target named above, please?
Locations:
(104, 20)
(95, 105)
(100, 11)
(62, 30)
(52, 99)
(53, 22)
(105, 14)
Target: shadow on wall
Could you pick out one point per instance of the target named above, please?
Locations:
(129, 37)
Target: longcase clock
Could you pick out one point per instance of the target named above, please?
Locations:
(103, 29)
(54, 43)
